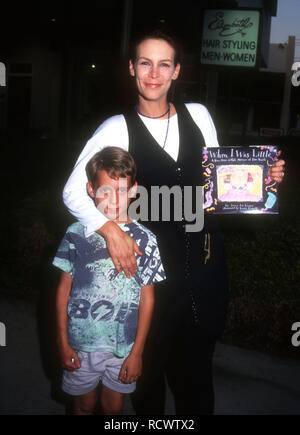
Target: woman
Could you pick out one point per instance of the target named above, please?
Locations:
(166, 142)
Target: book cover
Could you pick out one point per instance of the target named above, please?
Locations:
(236, 180)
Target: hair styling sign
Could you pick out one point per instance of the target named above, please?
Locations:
(236, 180)
(230, 37)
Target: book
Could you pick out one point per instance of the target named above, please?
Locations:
(236, 180)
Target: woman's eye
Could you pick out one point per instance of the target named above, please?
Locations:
(165, 65)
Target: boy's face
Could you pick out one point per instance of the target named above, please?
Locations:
(112, 195)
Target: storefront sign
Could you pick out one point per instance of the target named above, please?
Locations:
(230, 37)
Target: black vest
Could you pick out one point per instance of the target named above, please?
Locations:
(184, 255)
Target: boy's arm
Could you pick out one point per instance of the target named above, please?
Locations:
(132, 366)
(146, 306)
(66, 353)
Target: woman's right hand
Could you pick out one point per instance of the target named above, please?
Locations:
(121, 247)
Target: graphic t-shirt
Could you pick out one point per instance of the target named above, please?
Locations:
(103, 304)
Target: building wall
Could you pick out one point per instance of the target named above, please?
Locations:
(38, 70)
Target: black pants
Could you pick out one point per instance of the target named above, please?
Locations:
(186, 360)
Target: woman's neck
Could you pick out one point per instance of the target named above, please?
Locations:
(153, 108)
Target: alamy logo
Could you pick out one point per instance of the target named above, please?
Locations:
(296, 337)
(296, 75)
(182, 208)
(2, 74)
(2, 334)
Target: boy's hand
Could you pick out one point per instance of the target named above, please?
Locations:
(121, 248)
(131, 369)
(68, 358)
(276, 171)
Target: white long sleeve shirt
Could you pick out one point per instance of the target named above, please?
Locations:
(113, 132)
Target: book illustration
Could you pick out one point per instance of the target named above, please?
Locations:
(270, 201)
(239, 182)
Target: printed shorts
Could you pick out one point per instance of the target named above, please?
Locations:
(95, 367)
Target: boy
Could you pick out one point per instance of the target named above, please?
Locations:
(103, 317)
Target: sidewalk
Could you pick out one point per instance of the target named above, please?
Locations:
(246, 382)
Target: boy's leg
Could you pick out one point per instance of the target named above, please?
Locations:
(86, 403)
(111, 402)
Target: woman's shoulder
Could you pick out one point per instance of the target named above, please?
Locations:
(196, 108)
(200, 114)
(111, 132)
(203, 120)
(111, 123)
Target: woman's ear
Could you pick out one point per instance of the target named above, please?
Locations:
(90, 189)
(176, 72)
(131, 69)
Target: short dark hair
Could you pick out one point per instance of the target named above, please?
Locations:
(115, 161)
(157, 33)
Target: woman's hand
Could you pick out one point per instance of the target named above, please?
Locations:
(131, 368)
(121, 247)
(276, 172)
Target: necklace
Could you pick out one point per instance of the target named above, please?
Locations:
(154, 117)
(167, 128)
